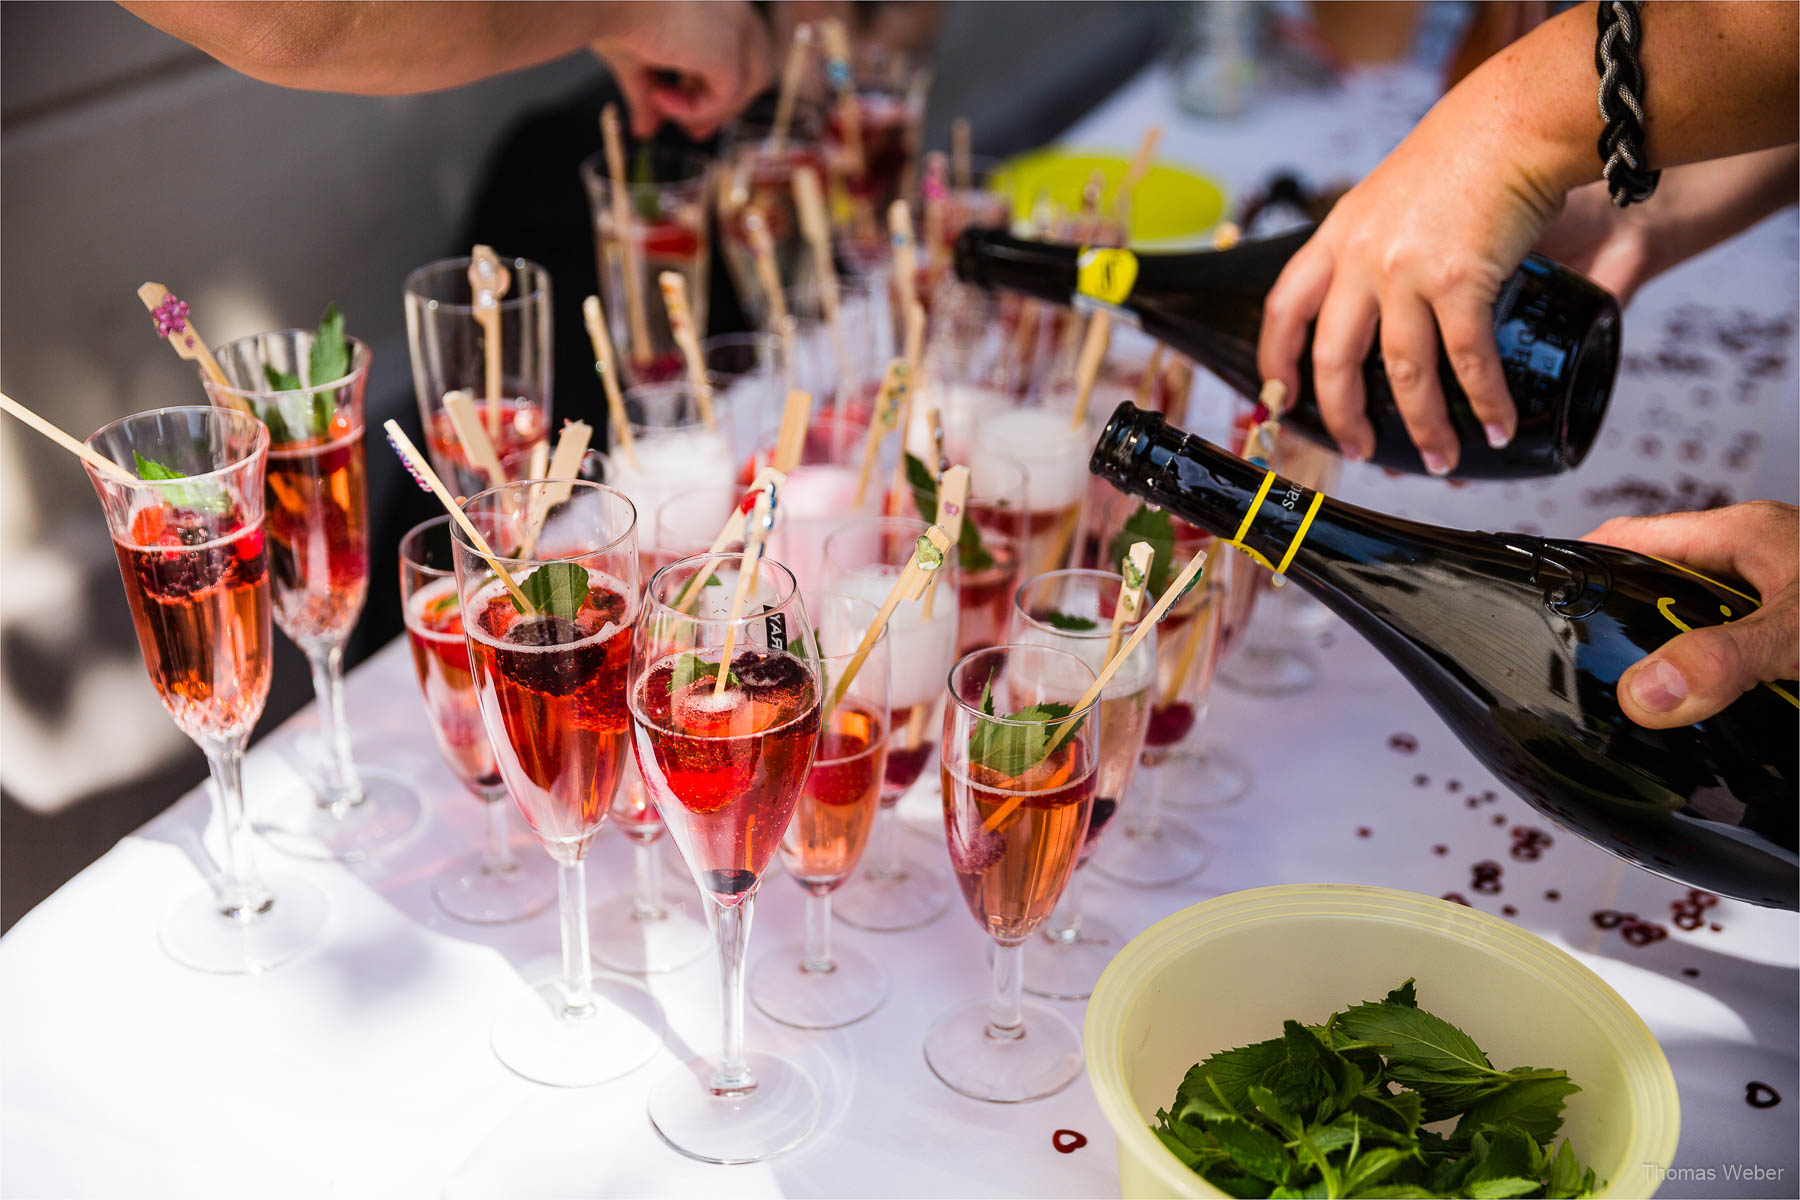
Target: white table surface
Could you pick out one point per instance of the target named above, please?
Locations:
(363, 1067)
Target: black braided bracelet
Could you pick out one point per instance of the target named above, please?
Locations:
(1622, 158)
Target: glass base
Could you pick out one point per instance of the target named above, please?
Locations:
(1069, 970)
(774, 1116)
(196, 934)
(389, 812)
(917, 894)
(1270, 671)
(626, 942)
(1043, 1060)
(786, 991)
(1204, 777)
(1146, 858)
(469, 891)
(534, 1036)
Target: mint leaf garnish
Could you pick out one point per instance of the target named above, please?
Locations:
(555, 589)
(209, 498)
(327, 362)
(971, 555)
(1154, 526)
(690, 666)
(1067, 622)
(1337, 1109)
(1014, 747)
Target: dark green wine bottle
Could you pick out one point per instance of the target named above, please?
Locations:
(1518, 643)
(1558, 335)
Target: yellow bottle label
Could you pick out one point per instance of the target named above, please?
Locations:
(1105, 274)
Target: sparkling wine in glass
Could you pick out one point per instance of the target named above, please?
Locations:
(192, 545)
(1073, 610)
(318, 546)
(725, 722)
(755, 174)
(551, 685)
(987, 556)
(494, 885)
(898, 887)
(1054, 455)
(1019, 773)
(817, 985)
(449, 355)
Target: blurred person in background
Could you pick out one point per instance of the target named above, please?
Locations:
(1506, 162)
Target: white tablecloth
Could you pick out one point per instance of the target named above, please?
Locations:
(363, 1067)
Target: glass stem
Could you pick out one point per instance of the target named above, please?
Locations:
(732, 928)
(342, 787)
(497, 856)
(817, 958)
(1064, 923)
(646, 888)
(888, 862)
(240, 890)
(1147, 822)
(578, 970)
(1006, 1010)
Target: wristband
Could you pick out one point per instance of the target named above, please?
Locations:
(1621, 97)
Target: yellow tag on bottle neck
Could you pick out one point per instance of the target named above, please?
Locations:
(1105, 274)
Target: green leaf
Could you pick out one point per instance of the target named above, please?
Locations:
(1255, 1151)
(1233, 1072)
(1531, 1101)
(1502, 1187)
(329, 360)
(1156, 527)
(1275, 1112)
(210, 497)
(986, 704)
(1405, 995)
(1418, 1046)
(1068, 622)
(971, 555)
(1563, 1181)
(1404, 1191)
(1371, 1167)
(555, 589)
(1014, 747)
(690, 667)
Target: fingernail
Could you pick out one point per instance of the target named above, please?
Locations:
(1353, 453)
(1497, 435)
(1658, 685)
(1436, 463)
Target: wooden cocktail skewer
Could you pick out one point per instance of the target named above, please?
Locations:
(427, 478)
(1169, 596)
(1190, 648)
(1147, 382)
(1135, 173)
(790, 442)
(906, 254)
(895, 383)
(915, 342)
(936, 195)
(960, 156)
(488, 282)
(1093, 350)
(176, 327)
(1178, 381)
(81, 450)
(762, 250)
(952, 507)
(815, 226)
(791, 75)
(563, 468)
(460, 407)
(754, 531)
(636, 322)
(838, 75)
(538, 465)
(681, 324)
(1136, 572)
(927, 558)
(608, 369)
(733, 530)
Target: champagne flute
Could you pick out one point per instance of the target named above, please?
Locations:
(725, 707)
(816, 985)
(318, 513)
(1018, 781)
(897, 887)
(493, 885)
(1073, 610)
(192, 557)
(551, 685)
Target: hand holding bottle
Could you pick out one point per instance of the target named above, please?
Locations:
(1698, 673)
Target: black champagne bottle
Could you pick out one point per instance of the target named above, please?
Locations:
(1518, 642)
(1558, 335)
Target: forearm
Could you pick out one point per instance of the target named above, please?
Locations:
(384, 48)
(1720, 79)
(1700, 205)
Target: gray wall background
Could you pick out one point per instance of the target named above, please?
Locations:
(126, 155)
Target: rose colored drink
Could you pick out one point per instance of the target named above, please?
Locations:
(728, 769)
(1012, 875)
(554, 705)
(318, 540)
(984, 602)
(830, 826)
(522, 428)
(440, 655)
(199, 595)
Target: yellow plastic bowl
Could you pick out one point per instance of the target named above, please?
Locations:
(1173, 206)
(1228, 972)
